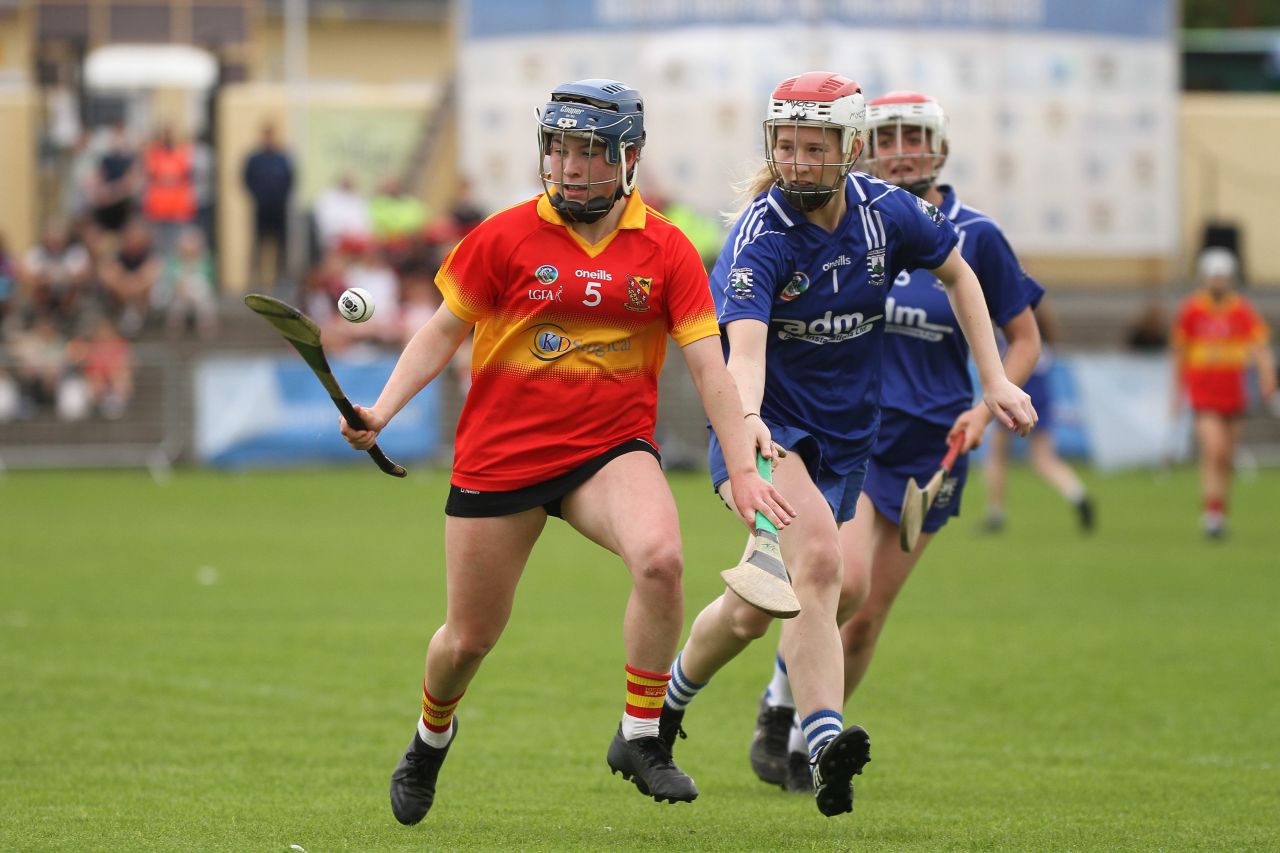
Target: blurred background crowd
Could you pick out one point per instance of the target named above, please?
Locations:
(164, 157)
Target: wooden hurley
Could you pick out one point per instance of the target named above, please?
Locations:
(761, 579)
(916, 501)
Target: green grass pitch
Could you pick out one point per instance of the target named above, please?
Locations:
(233, 663)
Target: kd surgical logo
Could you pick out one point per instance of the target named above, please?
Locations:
(551, 343)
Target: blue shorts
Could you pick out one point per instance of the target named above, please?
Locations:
(911, 447)
(1037, 387)
(840, 490)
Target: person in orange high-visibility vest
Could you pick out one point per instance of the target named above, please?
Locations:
(169, 200)
(1217, 336)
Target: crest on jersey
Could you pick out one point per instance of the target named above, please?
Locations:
(638, 289)
(799, 284)
(546, 273)
(875, 267)
(930, 211)
(742, 280)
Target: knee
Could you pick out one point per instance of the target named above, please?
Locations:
(861, 632)
(818, 568)
(469, 645)
(747, 623)
(660, 566)
(854, 588)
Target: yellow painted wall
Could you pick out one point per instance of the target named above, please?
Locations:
(368, 52)
(1230, 170)
(242, 111)
(18, 117)
(368, 130)
(15, 42)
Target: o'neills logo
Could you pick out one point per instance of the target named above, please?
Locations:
(594, 275)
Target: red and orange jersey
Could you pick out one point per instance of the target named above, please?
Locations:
(570, 337)
(1215, 340)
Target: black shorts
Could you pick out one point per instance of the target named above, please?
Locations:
(549, 494)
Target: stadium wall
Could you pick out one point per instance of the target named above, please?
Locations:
(19, 223)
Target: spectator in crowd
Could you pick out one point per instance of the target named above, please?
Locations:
(55, 276)
(1217, 336)
(370, 271)
(39, 357)
(169, 200)
(327, 279)
(203, 178)
(81, 176)
(268, 176)
(104, 361)
(118, 180)
(1149, 331)
(395, 212)
(9, 291)
(1041, 448)
(341, 211)
(188, 294)
(129, 276)
(10, 397)
(465, 211)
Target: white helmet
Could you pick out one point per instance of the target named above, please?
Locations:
(1218, 262)
(908, 109)
(815, 99)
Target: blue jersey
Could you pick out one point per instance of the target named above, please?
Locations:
(822, 296)
(926, 357)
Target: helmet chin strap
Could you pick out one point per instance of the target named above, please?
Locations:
(593, 211)
(596, 208)
(807, 200)
(919, 188)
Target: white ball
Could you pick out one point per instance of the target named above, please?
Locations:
(355, 304)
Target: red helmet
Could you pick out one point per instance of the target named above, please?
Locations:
(815, 99)
(900, 110)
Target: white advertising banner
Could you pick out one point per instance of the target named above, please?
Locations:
(1063, 114)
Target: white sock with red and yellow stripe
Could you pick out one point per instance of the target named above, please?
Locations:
(645, 692)
(435, 726)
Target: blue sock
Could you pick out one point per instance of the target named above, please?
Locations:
(680, 690)
(820, 727)
(778, 694)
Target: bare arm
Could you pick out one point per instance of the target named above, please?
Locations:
(740, 435)
(1177, 356)
(1023, 335)
(1265, 361)
(1009, 403)
(426, 354)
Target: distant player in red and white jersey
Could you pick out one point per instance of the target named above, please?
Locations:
(572, 295)
(1216, 338)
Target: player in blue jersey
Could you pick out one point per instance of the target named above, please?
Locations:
(1042, 451)
(925, 400)
(801, 291)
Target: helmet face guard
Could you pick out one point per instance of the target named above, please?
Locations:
(907, 140)
(584, 120)
(826, 102)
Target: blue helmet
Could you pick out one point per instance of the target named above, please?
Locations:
(603, 110)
